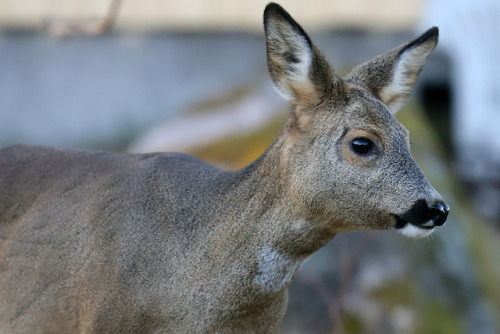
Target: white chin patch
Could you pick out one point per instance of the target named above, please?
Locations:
(413, 231)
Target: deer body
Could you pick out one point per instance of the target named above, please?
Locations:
(124, 264)
(165, 243)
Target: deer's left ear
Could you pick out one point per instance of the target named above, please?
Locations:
(392, 75)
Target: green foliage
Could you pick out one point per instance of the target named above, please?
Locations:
(352, 324)
(437, 318)
(397, 293)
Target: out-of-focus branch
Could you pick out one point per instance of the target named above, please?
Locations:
(336, 301)
(66, 28)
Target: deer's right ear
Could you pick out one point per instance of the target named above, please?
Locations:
(290, 55)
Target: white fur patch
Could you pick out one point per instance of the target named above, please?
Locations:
(275, 271)
(413, 231)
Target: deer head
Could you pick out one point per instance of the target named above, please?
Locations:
(346, 155)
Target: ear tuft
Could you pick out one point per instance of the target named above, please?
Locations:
(430, 35)
(273, 11)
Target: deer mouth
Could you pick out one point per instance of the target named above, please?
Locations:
(401, 223)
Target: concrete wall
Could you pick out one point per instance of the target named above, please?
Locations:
(100, 91)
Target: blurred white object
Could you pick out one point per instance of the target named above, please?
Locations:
(194, 130)
(470, 36)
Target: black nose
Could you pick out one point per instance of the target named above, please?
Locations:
(423, 215)
(439, 213)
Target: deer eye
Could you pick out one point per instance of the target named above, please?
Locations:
(361, 145)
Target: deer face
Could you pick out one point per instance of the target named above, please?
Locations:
(347, 156)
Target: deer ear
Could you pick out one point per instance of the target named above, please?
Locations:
(392, 75)
(296, 67)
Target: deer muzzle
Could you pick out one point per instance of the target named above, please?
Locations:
(423, 216)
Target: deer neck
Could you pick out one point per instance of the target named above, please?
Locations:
(282, 237)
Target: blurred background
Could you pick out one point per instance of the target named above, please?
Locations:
(191, 76)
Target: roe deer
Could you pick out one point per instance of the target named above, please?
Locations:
(96, 242)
